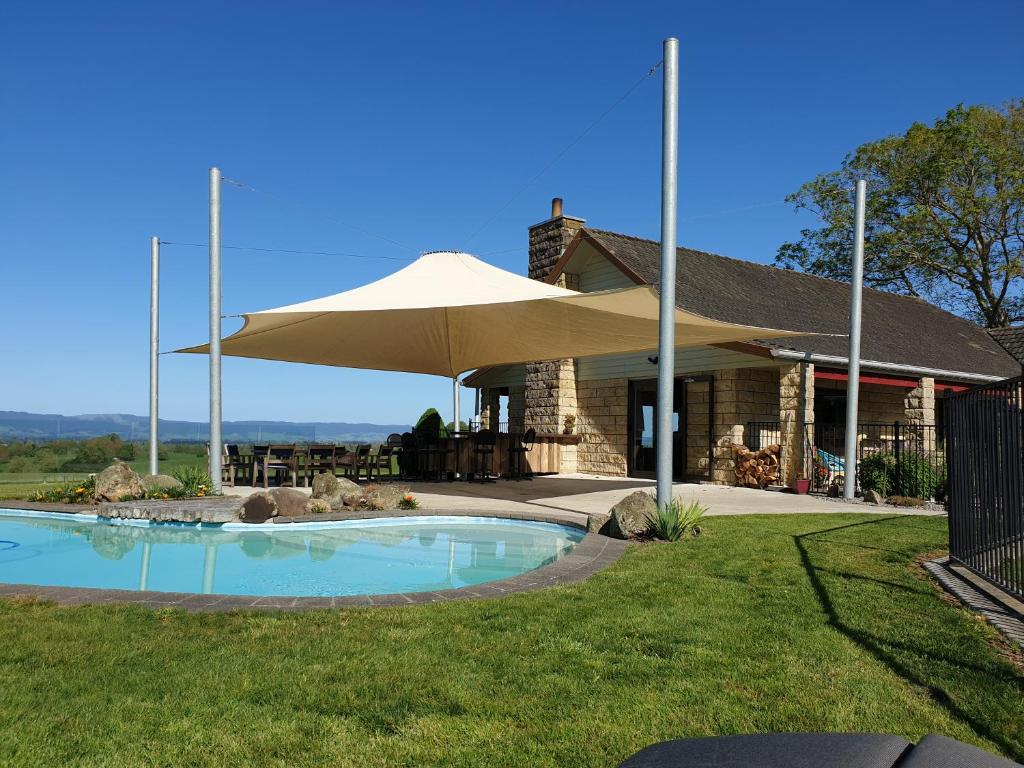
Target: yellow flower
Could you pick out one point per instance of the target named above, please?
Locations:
(166, 496)
(200, 494)
(79, 490)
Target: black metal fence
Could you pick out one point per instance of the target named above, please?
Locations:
(986, 482)
(894, 459)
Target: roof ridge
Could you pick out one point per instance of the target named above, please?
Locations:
(772, 267)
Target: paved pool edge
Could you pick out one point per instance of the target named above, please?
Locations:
(593, 553)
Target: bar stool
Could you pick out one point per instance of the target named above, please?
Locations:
(517, 453)
(483, 454)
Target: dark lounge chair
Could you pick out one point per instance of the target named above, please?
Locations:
(277, 459)
(815, 750)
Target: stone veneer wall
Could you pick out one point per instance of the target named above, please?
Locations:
(516, 409)
(796, 411)
(742, 395)
(884, 404)
(551, 386)
(601, 414)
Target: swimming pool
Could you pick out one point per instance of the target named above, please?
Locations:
(352, 557)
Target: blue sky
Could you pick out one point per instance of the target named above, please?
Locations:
(365, 125)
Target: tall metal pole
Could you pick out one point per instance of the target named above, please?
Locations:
(154, 355)
(455, 403)
(215, 439)
(667, 310)
(853, 380)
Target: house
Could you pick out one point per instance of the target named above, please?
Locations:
(1012, 340)
(783, 391)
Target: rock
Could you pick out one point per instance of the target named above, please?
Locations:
(289, 502)
(258, 508)
(386, 496)
(211, 509)
(332, 489)
(355, 500)
(597, 521)
(118, 481)
(628, 518)
(873, 497)
(159, 482)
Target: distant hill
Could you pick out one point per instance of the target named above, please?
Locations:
(17, 425)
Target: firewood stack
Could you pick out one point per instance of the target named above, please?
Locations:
(757, 469)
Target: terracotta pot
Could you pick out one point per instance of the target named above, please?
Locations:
(801, 485)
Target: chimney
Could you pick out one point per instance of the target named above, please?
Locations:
(549, 239)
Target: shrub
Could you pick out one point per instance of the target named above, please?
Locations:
(674, 520)
(69, 493)
(408, 502)
(912, 475)
(319, 508)
(195, 481)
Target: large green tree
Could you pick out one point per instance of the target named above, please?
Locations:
(945, 214)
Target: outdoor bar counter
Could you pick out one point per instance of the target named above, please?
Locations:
(545, 457)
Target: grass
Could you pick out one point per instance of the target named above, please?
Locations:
(769, 623)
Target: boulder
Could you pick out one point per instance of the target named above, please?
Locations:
(596, 521)
(258, 508)
(118, 481)
(289, 502)
(385, 496)
(332, 489)
(873, 497)
(160, 483)
(629, 517)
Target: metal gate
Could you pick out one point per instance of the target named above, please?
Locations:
(985, 438)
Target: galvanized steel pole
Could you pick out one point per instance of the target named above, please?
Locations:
(154, 355)
(667, 310)
(215, 438)
(455, 402)
(853, 371)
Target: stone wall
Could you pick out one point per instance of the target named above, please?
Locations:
(601, 414)
(550, 394)
(885, 404)
(516, 409)
(551, 386)
(742, 395)
(796, 411)
(490, 408)
(548, 241)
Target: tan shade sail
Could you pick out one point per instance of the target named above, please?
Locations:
(447, 313)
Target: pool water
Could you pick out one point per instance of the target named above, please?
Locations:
(355, 557)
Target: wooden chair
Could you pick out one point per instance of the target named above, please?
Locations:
(519, 446)
(320, 457)
(381, 461)
(278, 459)
(355, 463)
(233, 465)
(483, 454)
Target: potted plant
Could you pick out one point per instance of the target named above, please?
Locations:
(569, 423)
(801, 485)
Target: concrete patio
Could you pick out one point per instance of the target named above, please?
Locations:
(573, 497)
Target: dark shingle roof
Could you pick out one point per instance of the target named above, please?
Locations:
(895, 329)
(1012, 340)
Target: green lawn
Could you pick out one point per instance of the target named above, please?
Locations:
(800, 623)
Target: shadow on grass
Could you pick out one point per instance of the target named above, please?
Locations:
(876, 645)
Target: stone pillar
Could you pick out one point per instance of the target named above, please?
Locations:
(490, 408)
(919, 411)
(796, 414)
(516, 409)
(551, 386)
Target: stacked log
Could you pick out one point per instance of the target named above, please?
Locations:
(757, 469)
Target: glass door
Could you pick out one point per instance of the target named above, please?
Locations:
(643, 429)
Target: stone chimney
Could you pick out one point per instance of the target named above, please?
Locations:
(551, 386)
(549, 239)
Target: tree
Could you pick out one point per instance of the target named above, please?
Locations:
(945, 214)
